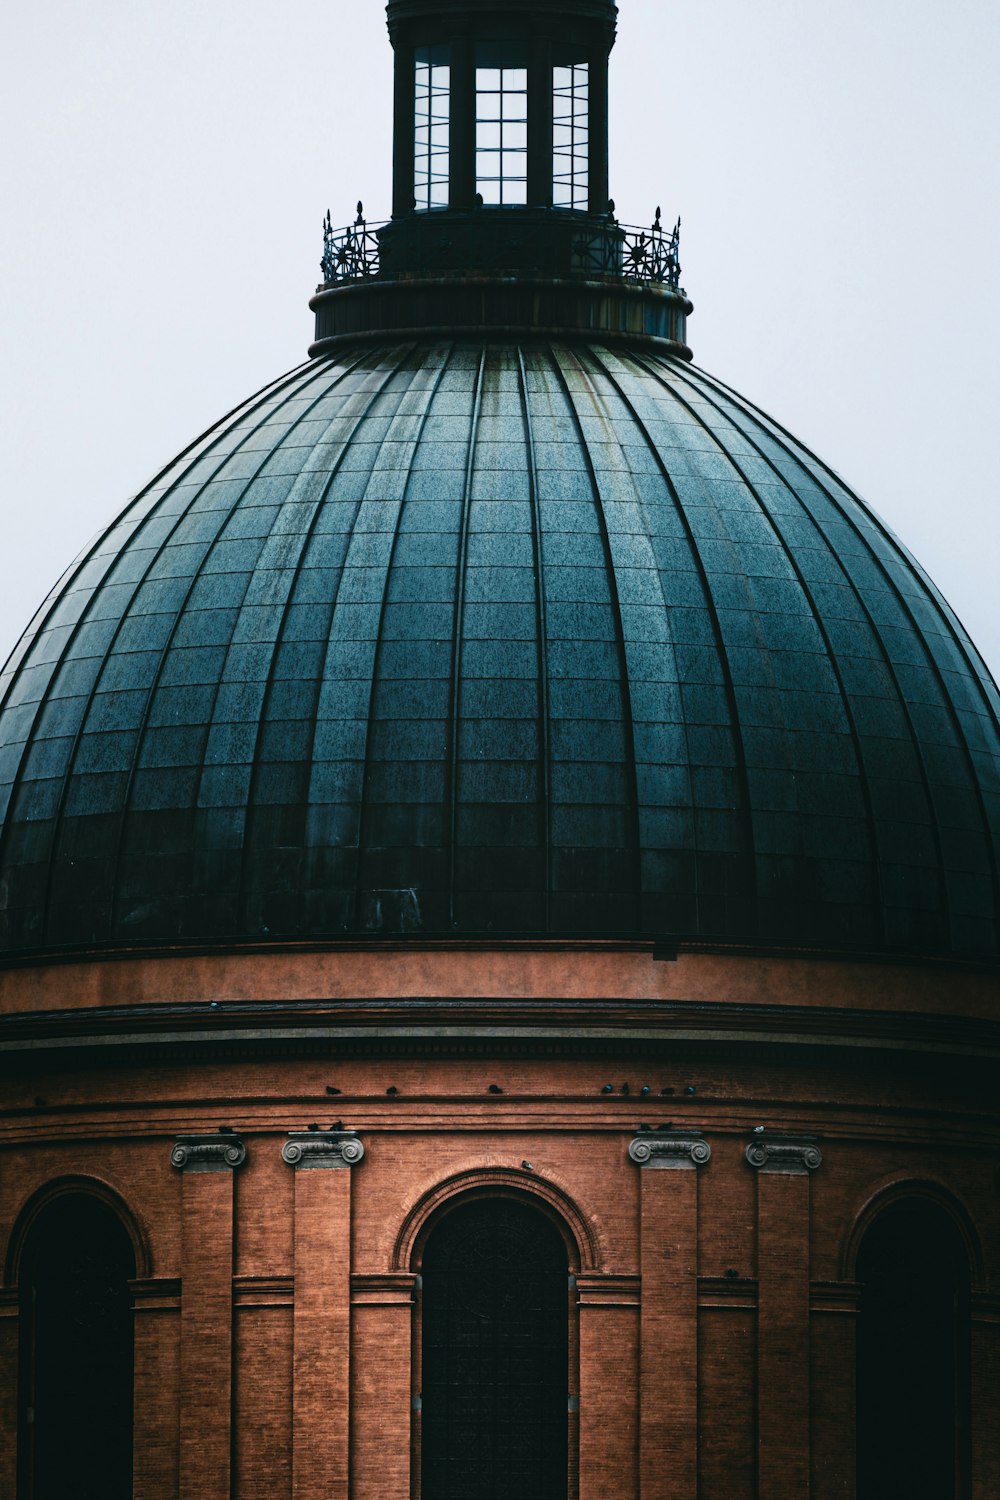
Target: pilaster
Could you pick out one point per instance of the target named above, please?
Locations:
(609, 1385)
(383, 1389)
(668, 1449)
(783, 1165)
(8, 1389)
(985, 1393)
(206, 1365)
(156, 1309)
(321, 1319)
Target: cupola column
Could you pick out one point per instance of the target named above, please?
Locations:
(463, 122)
(599, 169)
(540, 123)
(403, 116)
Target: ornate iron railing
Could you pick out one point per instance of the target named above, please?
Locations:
(349, 254)
(643, 256)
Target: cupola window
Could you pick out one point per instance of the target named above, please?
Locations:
(501, 125)
(431, 165)
(571, 135)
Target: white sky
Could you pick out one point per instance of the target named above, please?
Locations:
(165, 169)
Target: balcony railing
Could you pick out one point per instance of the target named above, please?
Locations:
(586, 249)
(351, 253)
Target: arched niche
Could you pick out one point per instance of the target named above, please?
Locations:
(912, 1265)
(74, 1262)
(581, 1230)
(38, 1203)
(494, 1351)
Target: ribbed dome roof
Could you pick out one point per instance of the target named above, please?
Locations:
(458, 639)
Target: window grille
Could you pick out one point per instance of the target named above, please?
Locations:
(75, 1388)
(502, 134)
(571, 136)
(431, 163)
(495, 1355)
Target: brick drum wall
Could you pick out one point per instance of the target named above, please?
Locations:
(713, 1303)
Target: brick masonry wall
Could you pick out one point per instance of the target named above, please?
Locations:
(714, 1310)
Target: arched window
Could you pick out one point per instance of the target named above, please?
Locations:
(913, 1356)
(75, 1386)
(494, 1355)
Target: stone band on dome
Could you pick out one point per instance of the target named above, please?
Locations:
(515, 307)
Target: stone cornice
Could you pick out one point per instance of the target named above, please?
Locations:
(985, 1308)
(322, 1148)
(783, 1153)
(383, 1289)
(262, 1291)
(419, 1026)
(681, 1148)
(208, 1153)
(601, 1289)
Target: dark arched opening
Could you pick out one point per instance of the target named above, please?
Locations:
(75, 1387)
(913, 1356)
(494, 1355)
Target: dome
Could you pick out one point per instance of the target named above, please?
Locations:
(493, 765)
(475, 637)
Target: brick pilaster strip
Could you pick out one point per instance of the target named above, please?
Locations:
(383, 1385)
(8, 1390)
(985, 1394)
(321, 1319)
(207, 1162)
(609, 1385)
(783, 1165)
(156, 1387)
(668, 1444)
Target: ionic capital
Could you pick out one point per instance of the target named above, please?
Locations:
(322, 1148)
(208, 1153)
(784, 1153)
(687, 1148)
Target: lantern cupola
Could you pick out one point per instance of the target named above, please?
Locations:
(504, 108)
(501, 216)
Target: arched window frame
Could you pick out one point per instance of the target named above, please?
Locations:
(899, 1192)
(584, 1254)
(19, 1246)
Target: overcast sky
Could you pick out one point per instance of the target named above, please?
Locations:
(165, 169)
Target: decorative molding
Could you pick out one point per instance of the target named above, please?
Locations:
(840, 1298)
(383, 1289)
(727, 1292)
(794, 1155)
(208, 1153)
(154, 1294)
(322, 1148)
(262, 1291)
(984, 1308)
(607, 1291)
(687, 1148)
